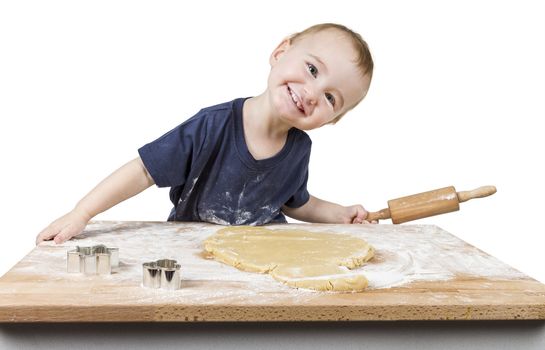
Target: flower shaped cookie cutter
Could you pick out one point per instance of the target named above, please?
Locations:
(97, 259)
(164, 274)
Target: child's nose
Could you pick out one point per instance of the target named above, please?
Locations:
(310, 96)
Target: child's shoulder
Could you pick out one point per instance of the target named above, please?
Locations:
(302, 138)
(214, 114)
(224, 106)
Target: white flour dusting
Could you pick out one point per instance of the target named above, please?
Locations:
(404, 254)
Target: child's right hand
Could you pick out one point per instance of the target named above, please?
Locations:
(125, 182)
(64, 228)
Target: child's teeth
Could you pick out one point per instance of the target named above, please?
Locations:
(295, 100)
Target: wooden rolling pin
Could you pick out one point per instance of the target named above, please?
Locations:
(426, 204)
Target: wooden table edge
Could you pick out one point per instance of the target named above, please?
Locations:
(268, 313)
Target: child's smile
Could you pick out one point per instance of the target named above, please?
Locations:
(296, 100)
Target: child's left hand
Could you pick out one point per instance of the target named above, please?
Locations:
(357, 215)
(320, 211)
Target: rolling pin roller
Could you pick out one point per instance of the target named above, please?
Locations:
(426, 204)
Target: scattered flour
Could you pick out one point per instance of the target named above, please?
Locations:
(404, 254)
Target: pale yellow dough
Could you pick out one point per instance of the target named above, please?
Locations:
(296, 257)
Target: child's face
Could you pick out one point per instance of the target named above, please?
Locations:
(315, 79)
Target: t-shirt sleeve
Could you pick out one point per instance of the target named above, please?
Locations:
(301, 195)
(168, 159)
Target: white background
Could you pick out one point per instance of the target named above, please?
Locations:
(458, 98)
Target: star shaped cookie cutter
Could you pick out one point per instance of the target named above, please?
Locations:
(97, 259)
(164, 274)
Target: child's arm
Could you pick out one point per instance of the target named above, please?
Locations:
(320, 211)
(127, 181)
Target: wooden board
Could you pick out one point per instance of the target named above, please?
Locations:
(420, 272)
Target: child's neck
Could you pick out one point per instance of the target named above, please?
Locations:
(265, 133)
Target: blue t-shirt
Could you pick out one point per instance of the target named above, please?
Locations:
(214, 178)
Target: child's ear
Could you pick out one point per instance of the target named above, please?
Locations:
(279, 51)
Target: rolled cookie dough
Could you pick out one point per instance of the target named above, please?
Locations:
(296, 257)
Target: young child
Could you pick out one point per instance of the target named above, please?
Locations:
(245, 162)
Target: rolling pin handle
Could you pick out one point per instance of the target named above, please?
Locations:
(379, 215)
(476, 193)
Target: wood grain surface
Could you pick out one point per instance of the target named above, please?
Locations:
(415, 275)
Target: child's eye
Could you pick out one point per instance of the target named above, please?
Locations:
(312, 69)
(330, 98)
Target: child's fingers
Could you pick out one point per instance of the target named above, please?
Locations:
(65, 234)
(46, 234)
(359, 215)
(362, 214)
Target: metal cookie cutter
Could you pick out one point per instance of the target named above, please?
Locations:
(97, 259)
(164, 273)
